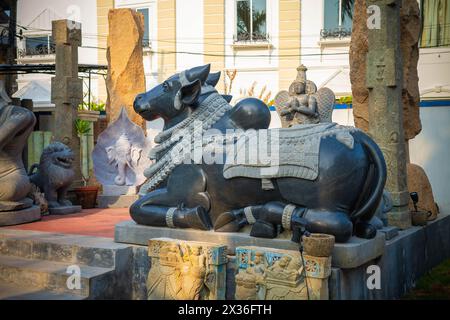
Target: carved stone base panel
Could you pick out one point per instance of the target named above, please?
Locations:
(274, 274)
(186, 270)
(351, 254)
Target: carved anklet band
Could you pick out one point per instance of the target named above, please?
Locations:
(249, 215)
(287, 215)
(169, 217)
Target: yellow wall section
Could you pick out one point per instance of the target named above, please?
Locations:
(166, 39)
(289, 41)
(214, 36)
(103, 7)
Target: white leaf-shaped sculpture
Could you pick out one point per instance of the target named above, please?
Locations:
(117, 154)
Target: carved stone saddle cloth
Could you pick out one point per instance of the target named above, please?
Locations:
(287, 152)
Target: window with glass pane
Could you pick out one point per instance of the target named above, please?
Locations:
(146, 39)
(251, 21)
(52, 47)
(336, 17)
(436, 23)
(37, 45)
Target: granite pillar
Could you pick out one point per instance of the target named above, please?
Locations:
(384, 82)
(67, 88)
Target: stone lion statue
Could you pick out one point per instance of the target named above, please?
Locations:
(55, 174)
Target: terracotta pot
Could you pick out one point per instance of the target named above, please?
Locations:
(87, 196)
(318, 244)
(419, 218)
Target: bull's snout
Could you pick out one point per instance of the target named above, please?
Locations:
(140, 105)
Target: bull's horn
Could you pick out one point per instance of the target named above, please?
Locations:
(198, 73)
(213, 79)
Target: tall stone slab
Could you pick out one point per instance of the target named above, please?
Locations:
(384, 80)
(67, 88)
(126, 77)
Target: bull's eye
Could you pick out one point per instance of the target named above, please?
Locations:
(166, 86)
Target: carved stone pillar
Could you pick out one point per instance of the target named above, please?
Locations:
(384, 82)
(67, 88)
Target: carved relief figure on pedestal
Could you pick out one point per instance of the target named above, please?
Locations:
(163, 281)
(250, 282)
(275, 274)
(286, 280)
(302, 103)
(326, 178)
(193, 272)
(182, 271)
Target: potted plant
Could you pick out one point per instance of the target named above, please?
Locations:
(86, 195)
(90, 111)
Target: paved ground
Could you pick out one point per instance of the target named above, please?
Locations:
(89, 222)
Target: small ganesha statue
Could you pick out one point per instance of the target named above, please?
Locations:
(124, 156)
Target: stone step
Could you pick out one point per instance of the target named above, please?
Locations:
(74, 249)
(51, 275)
(10, 291)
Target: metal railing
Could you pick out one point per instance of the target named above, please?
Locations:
(337, 33)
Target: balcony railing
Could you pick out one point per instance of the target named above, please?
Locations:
(337, 33)
(247, 37)
(36, 51)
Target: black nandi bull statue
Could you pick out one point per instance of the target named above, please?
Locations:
(330, 178)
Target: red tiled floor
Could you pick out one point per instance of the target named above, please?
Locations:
(89, 222)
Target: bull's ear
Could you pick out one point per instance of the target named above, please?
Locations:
(227, 97)
(213, 79)
(198, 73)
(190, 92)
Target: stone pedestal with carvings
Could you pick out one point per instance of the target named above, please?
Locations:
(186, 270)
(271, 274)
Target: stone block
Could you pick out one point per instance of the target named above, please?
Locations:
(66, 32)
(186, 270)
(9, 218)
(400, 219)
(67, 90)
(345, 255)
(357, 251)
(51, 251)
(93, 256)
(389, 232)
